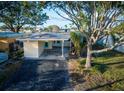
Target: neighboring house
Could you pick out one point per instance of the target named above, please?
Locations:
(8, 40)
(109, 42)
(38, 42)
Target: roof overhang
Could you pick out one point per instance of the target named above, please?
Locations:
(24, 40)
(58, 37)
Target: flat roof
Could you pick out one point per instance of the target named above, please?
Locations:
(46, 36)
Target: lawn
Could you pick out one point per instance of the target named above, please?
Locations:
(107, 72)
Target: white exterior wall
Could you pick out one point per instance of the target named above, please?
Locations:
(33, 49)
(50, 45)
(40, 47)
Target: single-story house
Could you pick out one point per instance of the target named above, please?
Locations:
(35, 44)
(7, 40)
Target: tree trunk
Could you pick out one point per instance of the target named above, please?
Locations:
(13, 30)
(17, 29)
(89, 56)
(78, 53)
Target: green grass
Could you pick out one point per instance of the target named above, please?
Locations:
(107, 72)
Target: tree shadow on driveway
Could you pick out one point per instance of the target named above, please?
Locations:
(39, 75)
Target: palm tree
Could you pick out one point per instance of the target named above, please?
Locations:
(78, 41)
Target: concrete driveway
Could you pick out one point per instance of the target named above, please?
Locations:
(39, 75)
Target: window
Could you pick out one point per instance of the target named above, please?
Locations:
(58, 42)
(46, 44)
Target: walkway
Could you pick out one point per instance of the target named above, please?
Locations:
(39, 75)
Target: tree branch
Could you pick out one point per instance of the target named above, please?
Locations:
(107, 49)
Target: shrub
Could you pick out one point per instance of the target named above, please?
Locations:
(100, 67)
(78, 40)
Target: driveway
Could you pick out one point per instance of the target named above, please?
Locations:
(39, 75)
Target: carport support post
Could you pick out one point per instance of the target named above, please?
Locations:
(62, 48)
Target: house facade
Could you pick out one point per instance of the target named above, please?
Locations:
(37, 43)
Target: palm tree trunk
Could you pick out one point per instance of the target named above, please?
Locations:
(89, 56)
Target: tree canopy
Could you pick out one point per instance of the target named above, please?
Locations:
(21, 13)
(52, 28)
(94, 19)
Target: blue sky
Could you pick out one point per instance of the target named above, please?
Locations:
(55, 19)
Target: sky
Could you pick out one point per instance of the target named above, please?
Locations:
(55, 19)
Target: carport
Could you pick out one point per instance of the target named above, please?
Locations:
(34, 45)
